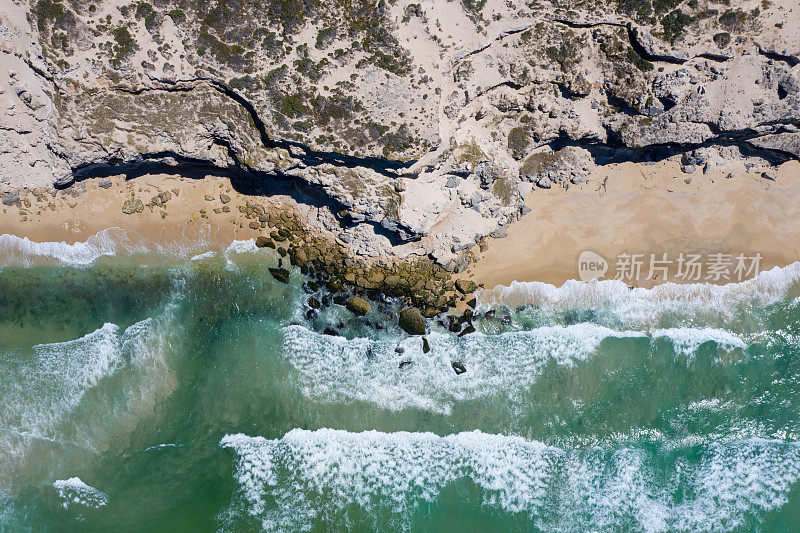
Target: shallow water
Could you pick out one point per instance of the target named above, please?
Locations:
(160, 392)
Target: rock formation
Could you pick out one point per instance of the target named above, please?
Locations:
(420, 126)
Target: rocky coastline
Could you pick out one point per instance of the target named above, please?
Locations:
(408, 136)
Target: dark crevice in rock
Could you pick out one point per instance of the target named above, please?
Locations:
(39, 72)
(614, 151)
(566, 93)
(307, 155)
(512, 85)
(719, 58)
(244, 181)
(637, 46)
(500, 37)
(668, 103)
(789, 60)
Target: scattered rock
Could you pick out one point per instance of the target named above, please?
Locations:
(430, 312)
(134, 205)
(459, 367)
(10, 198)
(472, 303)
(313, 303)
(687, 181)
(281, 274)
(330, 331)
(768, 176)
(224, 198)
(412, 322)
(358, 306)
(466, 286)
(208, 198)
(254, 225)
(425, 346)
(263, 242)
(467, 330)
(104, 183)
(404, 364)
(399, 349)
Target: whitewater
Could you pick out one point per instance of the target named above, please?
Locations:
(155, 388)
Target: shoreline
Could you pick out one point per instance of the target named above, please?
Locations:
(633, 208)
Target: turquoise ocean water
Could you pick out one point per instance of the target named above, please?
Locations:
(153, 390)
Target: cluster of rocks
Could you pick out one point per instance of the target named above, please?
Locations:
(424, 289)
(570, 165)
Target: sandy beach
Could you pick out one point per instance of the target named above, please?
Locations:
(622, 209)
(649, 209)
(188, 209)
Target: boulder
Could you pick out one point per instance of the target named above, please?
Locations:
(10, 198)
(466, 286)
(358, 306)
(425, 346)
(281, 274)
(134, 205)
(412, 322)
(262, 241)
(459, 367)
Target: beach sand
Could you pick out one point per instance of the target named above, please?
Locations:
(74, 214)
(650, 209)
(624, 208)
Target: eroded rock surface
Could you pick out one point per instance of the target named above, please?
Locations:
(422, 126)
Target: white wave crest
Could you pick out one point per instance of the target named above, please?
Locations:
(338, 369)
(42, 392)
(22, 251)
(74, 490)
(311, 478)
(640, 304)
(686, 341)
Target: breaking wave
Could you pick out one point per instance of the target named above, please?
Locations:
(310, 477)
(75, 491)
(23, 251)
(43, 391)
(362, 369)
(644, 306)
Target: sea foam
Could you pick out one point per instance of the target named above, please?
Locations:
(75, 491)
(310, 477)
(23, 251)
(43, 390)
(336, 369)
(361, 369)
(643, 306)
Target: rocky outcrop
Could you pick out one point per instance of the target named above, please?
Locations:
(419, 127)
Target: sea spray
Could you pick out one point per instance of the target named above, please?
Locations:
(75, 491)
(640, 306)
(506, 364)
(314, 478)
